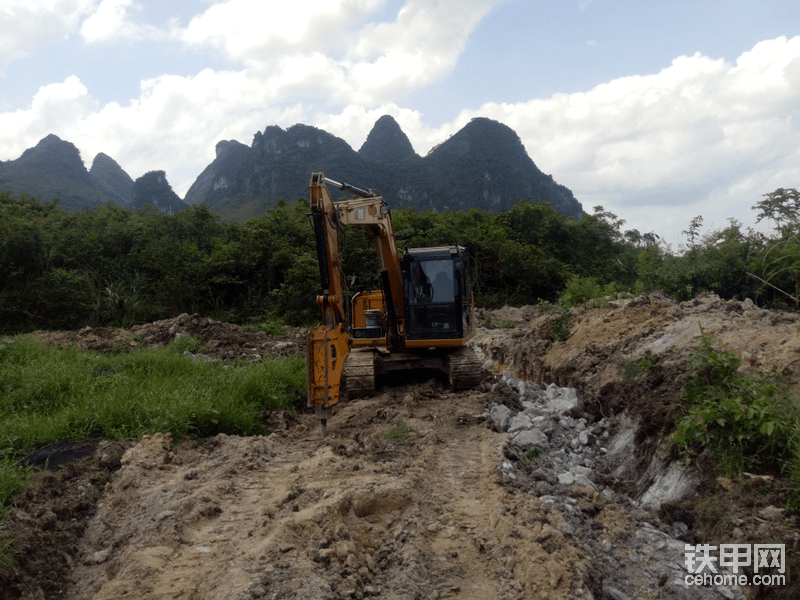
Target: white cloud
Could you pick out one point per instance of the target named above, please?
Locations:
(246, 30)
(111, 23)
(173, 125)
(302, 61)
(28, 25)
(421, 45)
(54, 109)
(327, 49)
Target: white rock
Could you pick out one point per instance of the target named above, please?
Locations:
(532, 386)
(530, 437)
(566, 401)
(520, 422)
(580, 470)
(583, 437)
(566, 478)
(501, 415)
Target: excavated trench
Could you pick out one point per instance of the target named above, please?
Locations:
(553, 479)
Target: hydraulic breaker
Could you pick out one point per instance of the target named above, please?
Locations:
(327, 350)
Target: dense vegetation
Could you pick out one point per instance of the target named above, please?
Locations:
(48, 395)
(110, 266)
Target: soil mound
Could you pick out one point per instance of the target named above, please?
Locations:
(224, 341)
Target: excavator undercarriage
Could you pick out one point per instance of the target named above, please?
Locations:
(364, 365)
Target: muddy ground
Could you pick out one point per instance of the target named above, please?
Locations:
(419, 492)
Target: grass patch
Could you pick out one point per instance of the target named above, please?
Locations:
(587, 292)
(398, 431)
(633, 368)
(748, 422)
(49, 394)
(7, 554)
(531, 454)
(273, 327)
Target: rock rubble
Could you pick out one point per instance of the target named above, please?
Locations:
(564, 461)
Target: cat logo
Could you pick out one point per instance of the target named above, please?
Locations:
(361, 214)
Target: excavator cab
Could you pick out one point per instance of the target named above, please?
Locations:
(437, 295)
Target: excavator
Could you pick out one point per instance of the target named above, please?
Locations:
(421, 318)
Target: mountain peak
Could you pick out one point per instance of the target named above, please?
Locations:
(153, 188)
(223, 147)
(111, 179)
(59, 158)
(49, 139)
(386, 142)
(50, 147)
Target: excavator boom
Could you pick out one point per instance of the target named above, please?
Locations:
(329, 344)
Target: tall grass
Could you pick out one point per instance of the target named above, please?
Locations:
(49, 394)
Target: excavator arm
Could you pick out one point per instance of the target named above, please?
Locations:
(329, 343)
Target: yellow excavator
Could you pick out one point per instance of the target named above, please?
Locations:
(420, 318)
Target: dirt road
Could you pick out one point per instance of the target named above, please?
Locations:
(422, 515)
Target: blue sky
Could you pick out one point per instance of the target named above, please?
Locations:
(659, 111)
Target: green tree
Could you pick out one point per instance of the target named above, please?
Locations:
(781, 206)
(693, 232)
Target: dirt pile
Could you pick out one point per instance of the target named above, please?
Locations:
(419, 492)
(224, 341)
(602, 340)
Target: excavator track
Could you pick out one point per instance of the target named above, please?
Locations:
(463, 369)
(359, 373)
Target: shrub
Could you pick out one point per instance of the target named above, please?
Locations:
(748, 422)
(559, 326)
